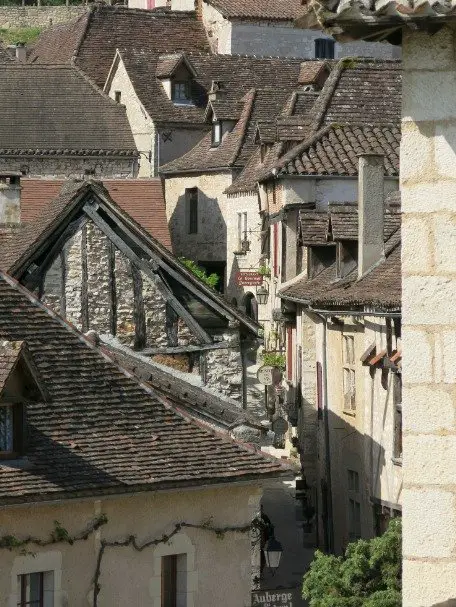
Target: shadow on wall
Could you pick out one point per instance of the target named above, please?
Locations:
(202, 238)
(346, 511)
(449, 603)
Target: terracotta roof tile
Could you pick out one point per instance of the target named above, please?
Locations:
(101, 431)
(142, 199)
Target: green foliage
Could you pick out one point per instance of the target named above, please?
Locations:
(273, 359)
(264, 271)
(369, 575)
(20, 35)
(211, 280)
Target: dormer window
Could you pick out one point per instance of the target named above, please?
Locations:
(347, 257)
(181, 93)
(11, 430)
(320, 258)
(216, 133)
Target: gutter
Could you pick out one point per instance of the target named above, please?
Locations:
(324, 313)
(201, 171)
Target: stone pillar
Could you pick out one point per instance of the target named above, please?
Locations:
(370, 211)
(428, 184)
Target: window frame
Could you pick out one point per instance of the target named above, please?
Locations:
(18, 429)
(170, 597)
(23, 581)
(118, 96)
(216, 129)
(349, 371)
(192, 201)
(324, 48)
(177, 86)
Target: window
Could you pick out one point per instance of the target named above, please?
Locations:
(180, 92)
(397, 402)
(35, 589)
(216, 133)
(117, 96)
(349, 376)
(174, 581)
(11, 430)
(324, 48)
(191, 195)
(242, 242)
(354, 506)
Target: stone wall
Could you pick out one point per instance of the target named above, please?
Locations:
(38, 16)
(428, 184)
(156, 147)
(278, 39)
(224, 366)
(210, 242)
(55, 167)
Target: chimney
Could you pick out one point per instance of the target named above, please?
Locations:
(10, 197)
(21, 52)
(370, 211)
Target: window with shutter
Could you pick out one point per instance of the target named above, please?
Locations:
(349, 373)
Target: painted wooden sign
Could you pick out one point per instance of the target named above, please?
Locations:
(272, 598)
(249, 279)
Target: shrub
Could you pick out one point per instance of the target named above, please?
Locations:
(368, 575)
(211, 280)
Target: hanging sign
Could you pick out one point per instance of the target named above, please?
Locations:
(265, 375)
(272, 598)
(249, 279)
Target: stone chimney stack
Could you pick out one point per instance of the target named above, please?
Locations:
(370, 211)
(10, 197)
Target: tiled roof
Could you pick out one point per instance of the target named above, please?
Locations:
(358, 91)
(279, 10)
(313, 227)
(9, 356)
(344, 222)
(101, 431)
(333, 150)
(93, 39)
(206, 405)
(236, 75)
(58, 110)
(378, 289)
(142, 199)
(271, 82)
(373, 19)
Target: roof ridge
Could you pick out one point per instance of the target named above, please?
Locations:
(82, 35)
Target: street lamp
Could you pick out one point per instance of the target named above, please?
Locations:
(262, 295)
(272, 553)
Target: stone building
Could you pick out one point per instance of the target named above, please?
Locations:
(227, 231)
(252, 27)
(56, 123)
(110, 495)
(164, 127)
(346, 362)
(428, 283)
(93, 264)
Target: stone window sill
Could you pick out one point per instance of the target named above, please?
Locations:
(397, 461)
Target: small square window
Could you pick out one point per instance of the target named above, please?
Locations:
(353, 481)
(181, 92)
(35, 589)
(324, 48)
(117, 96)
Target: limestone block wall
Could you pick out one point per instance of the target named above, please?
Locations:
(71, 167)
(428, 184)
(38, 16)
(212, 563)
(240, 204)
(210, 241)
